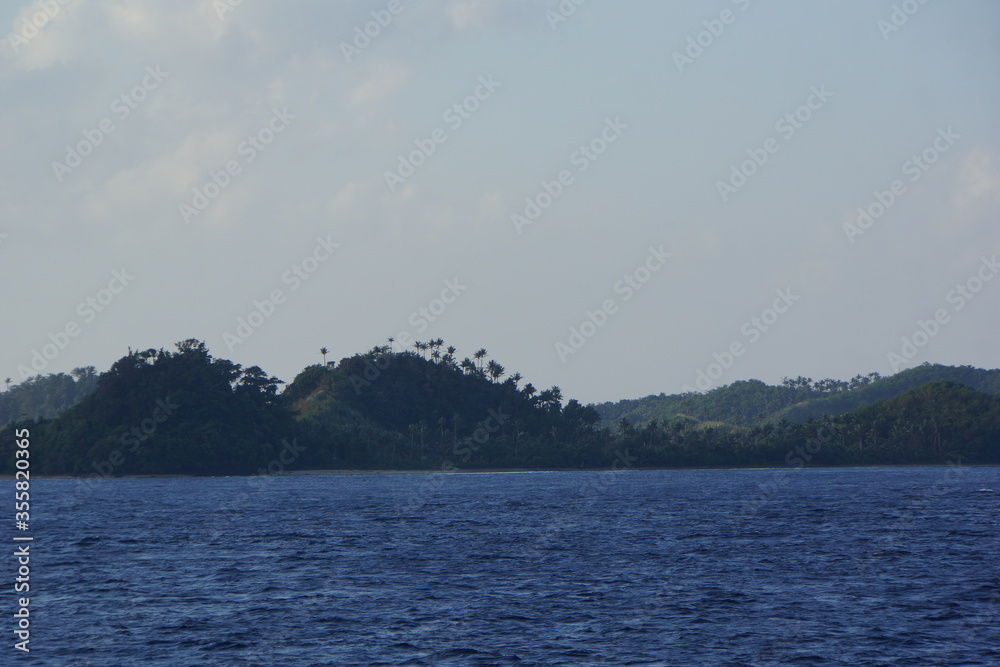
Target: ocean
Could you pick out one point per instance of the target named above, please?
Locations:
(874, 566)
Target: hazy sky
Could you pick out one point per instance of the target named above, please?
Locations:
(172, 167)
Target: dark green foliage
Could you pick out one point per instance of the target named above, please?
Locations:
(400, 410)
(932, 424)
(157, 412)
(888, 387)
(745, 403)
(185, 412)
(46, 396)
(750, 402)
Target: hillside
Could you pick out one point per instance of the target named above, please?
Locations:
(750, 402)
(986, 381)
(432, 413)
(162, 412)
(932, 424)
(187, 412)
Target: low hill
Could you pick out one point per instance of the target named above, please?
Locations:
(744, 402)
(752, 401)
(986, 381)
(433, 413)
(186, 412)
(161, 412)
(933, 422)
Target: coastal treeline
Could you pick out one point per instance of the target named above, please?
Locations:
(184, 411)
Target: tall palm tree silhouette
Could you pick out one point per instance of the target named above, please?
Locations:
(495, 370)
(323, 351)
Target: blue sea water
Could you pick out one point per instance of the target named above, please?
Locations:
(889, 566)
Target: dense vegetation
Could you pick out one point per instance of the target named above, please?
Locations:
(385, 409)
(186, 412)
(932, 424)
(161, 412)
(752, 402)
(45, 396)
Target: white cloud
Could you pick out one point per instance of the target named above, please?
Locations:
(977, 185)
(468, 14)
(385, 78)
(44, 34)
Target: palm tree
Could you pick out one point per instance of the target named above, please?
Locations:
(551, 399)
(390, 340)
(480, 355)
(323, 351)
(8, 383)
(516, 377)
(495, 370)
(468, 366)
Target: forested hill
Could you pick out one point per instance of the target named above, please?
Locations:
(750, 402)
(187, 412)
(400, 409)
(163, 412)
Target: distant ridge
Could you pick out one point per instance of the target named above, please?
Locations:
(749, 402)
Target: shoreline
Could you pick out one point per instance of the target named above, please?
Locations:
(494, 471)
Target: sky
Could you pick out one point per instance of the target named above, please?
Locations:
(619, 199)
